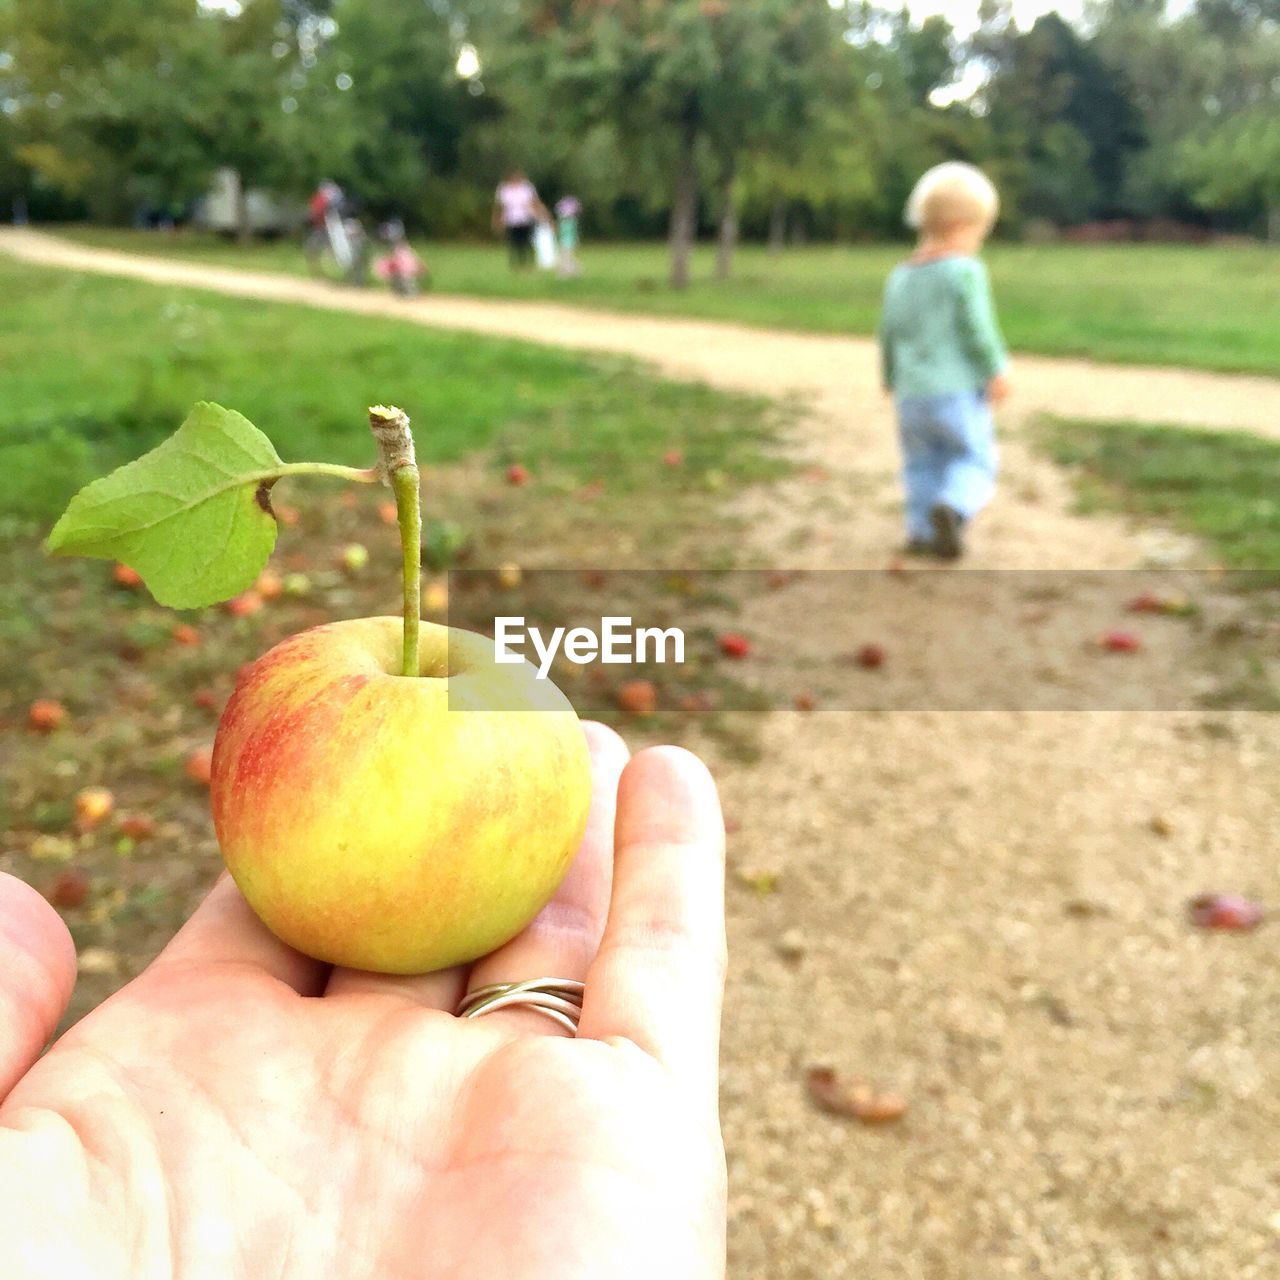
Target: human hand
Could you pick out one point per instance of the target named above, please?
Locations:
(241, 1110)
(998, 388)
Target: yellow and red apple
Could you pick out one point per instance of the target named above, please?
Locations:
(397, 823)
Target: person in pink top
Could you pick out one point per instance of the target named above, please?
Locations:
(517, 210)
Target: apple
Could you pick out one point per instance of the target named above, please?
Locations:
(44, 715)
(391, 823)
(1227, 911)
(69, 889)
(517, 474)
(296, 584)
(387, 512)
(185, 634)
(269, 585)
(199, 766)
(137, 826)
(241, 606)
(733, 645)
(287, 515)
(673, 458)
(638, 698)
(205, 699)
(1121, 642)
(126, 577)
(92, 805)
(870, 656)
(435, 599)
(353, 558)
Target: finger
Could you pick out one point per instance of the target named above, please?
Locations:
(659, 977)
(224, 931)
(36, 978)
(565, 936)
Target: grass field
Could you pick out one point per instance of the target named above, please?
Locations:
(1223, 487)
(1210, 308)
(99, 370)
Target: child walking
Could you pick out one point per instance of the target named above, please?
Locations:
(943, 359)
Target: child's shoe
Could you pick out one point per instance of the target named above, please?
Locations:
(948, 524)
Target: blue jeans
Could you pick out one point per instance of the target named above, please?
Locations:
(948, 456)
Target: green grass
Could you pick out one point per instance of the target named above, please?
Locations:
(1223, 487)
(99, 370)
(1203, 307)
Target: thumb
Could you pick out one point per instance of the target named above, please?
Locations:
(37, 972)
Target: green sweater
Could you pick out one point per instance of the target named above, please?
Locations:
(938, 330)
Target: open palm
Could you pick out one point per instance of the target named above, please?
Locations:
(240, 1110)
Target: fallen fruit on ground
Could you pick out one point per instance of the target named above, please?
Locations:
(517, 474)
(93, 804)
(387, 512)
(69, 889)
(870, 656)
(297, 584)
(44, 715)
(353, 558)
(673, 458)
(370, 820)
(853, 1098)
(1227, 911)
(124, 576)
(199, 766)
(435, 599)
(733, 645)
(638, 698)
(287, 515)
(205, 699)
(1121, 642)
(804, 702)
(185, 634)
(137, 826)
(243, 605)
(509, 576)
(269, 585)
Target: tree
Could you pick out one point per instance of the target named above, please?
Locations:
(683, 79)
(1236, 165)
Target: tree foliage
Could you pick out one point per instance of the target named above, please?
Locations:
(787, 116)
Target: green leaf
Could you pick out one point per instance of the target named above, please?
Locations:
(187, 516)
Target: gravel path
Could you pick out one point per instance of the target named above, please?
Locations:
(973, 909)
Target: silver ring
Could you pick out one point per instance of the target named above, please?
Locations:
(559, 999)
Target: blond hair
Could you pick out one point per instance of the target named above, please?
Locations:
(952, 194)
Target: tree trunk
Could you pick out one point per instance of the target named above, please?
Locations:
(777, 226)
(244, 228)
(684, 208)
(727, 238)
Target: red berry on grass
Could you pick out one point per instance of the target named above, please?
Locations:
(517, 474)
(186, 634)
(733, 645)
(126, 577)
(673, 457)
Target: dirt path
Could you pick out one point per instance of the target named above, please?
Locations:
(979, 913)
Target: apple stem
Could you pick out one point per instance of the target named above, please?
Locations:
(390, 427)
